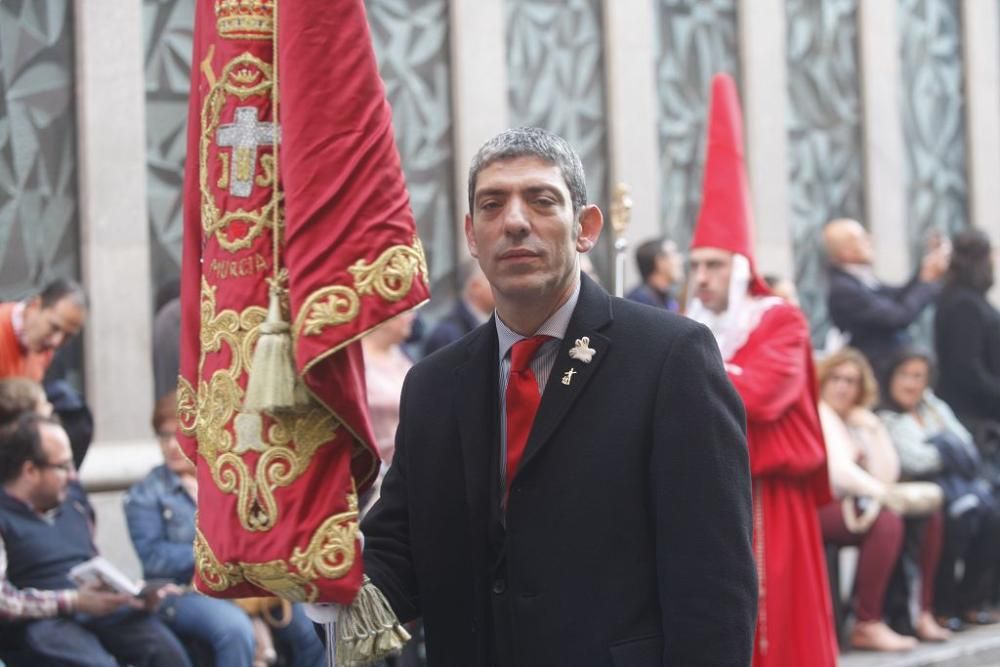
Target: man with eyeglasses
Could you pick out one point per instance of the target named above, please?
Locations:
(46, 528)
(32, 330)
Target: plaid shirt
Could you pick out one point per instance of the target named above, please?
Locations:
(18, 604)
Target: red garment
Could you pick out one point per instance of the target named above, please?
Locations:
(291, 166)
(774, 374)
(523, 399)
(15, 361)
(725, 219)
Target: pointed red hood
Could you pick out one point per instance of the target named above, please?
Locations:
(725, 220)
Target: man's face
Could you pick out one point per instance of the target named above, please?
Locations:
(711, 269)
(48, 328)
(52, 476)
(523, 232)
(857, 245)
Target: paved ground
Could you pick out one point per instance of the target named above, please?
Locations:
(972, 648)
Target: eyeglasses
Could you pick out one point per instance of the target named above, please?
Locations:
(66, 466)
(846, 379)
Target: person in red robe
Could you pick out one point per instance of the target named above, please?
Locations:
(32, 330)
(764, 341)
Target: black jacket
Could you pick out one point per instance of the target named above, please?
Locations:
(967, 341)
(628, 531)
(876, 319)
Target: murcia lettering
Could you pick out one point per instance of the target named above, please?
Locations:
(239, 268)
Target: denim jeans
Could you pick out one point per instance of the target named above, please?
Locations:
(227, 629)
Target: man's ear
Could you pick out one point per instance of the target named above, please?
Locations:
(591, 221)
(470, 239)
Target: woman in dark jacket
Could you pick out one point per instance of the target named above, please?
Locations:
(967, 340)
(933, 445)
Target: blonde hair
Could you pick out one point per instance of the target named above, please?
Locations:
(868, 389)
(18, 395)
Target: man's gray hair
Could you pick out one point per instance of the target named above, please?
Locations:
(532, 142)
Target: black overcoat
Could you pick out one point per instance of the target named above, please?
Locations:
(627, 538)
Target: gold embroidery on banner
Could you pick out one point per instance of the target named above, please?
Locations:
(330, 554)
(266, 179)
(391, 276)
(243, 76)
(244, 19)
(329, 307)
(291, 440)
(187, 407)
(251, 265)
(206, 66)
(216, 575)
(223, 182)
(274, 576)
(331, 551)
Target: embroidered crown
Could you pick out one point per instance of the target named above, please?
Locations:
(245, 19)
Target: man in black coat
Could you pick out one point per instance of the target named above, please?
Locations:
(875, 316)
(620, 535)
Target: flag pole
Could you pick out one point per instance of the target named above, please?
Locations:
(621, 216)
(330, 629)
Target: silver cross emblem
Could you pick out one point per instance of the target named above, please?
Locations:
(244, 136)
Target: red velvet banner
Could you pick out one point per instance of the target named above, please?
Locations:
(293, 181)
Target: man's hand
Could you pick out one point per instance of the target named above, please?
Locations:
(935, 262)
(322, 612)
(152, 595)
(102, 603)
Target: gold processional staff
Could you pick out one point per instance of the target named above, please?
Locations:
(621, 216)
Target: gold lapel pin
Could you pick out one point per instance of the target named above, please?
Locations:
(582, 351)
(568, 376)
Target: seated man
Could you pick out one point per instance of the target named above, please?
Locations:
(160, 511)
(46, 528)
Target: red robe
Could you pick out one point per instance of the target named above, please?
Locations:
(774, 375)
(14, 360)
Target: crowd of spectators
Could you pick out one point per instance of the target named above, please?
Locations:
(912, 442)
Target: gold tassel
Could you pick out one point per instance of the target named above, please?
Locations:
(368, 631)
(271, 380)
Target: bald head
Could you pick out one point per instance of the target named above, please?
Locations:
(847, 242)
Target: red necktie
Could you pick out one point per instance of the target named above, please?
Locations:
(523, 398)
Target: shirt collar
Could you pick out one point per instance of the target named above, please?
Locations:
(555, 326)
(864, 273)
(173, 479)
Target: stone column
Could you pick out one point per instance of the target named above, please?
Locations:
(980, 34)
(633, 142)
(885, 157)
(113, 219)
(478, 88)
(765, 101)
